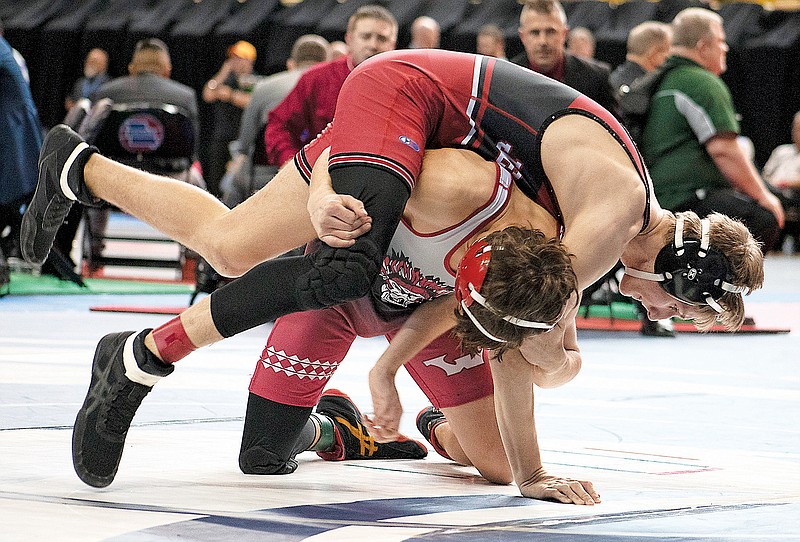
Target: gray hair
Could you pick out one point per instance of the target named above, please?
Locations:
(692, 25)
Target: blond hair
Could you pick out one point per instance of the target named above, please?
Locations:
(647, 35)
(744, 256)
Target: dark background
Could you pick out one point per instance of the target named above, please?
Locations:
(55, 35)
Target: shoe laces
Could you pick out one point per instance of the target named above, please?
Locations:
(119, 411)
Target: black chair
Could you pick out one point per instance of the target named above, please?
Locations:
(157, 138)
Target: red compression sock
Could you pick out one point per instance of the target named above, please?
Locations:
(172, 341)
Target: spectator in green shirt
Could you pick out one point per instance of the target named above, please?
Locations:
(689, 141)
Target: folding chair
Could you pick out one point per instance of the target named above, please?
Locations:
(154, 137)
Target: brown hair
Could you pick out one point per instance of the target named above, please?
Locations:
(493, 31)
(746, 260)
(310, 49)
(371, 12)
(647, 35)
(529, 277)
(150, 55)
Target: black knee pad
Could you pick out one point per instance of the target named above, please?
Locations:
(259, 460)
(339, 275)
(271, 431)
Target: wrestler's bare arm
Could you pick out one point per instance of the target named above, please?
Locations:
(426, 323)
(599, 191)
(514, 404)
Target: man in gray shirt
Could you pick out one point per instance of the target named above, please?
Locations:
(149, 81)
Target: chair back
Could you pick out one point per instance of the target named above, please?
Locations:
(155, 137)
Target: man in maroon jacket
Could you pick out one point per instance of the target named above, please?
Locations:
(309, 107)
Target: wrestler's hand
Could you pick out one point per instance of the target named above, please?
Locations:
(553, 351)
(339, 219)
(566, 490)
(383, 425)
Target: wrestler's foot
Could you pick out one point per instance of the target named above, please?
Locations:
(353, 441)
(427, 420)
(61, 160)
(111, 402)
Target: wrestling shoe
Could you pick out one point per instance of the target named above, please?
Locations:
(427, 420)
(353, 441)
(61, 160)
(111, 402)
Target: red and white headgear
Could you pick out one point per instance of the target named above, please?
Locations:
(469, 279)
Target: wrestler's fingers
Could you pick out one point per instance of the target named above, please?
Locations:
(590, 490)
(341, 216)
(569, 493)
(336, 242)
(355, 205)
(347, 227)
(553, 494)
(343, 234)
(580, 492)
(360, 230)
(379, 432)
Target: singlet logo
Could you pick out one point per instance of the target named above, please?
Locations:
(505, 161)
(410, 142)
(404, 285)
(141, 132)
(455, 366)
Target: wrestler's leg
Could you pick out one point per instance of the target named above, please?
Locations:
(271, 222)
(232, 241)
(302, 353)
(470, 436)
(460, 386)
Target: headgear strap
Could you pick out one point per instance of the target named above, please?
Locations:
(469, 279)
(691, 270)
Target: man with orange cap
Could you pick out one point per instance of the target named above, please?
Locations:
(229, 92)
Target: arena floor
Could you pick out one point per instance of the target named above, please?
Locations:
(695, 438)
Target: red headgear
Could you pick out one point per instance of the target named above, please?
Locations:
(472, 270)
(469, 279)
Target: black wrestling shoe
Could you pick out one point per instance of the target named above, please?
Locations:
(103, 421)
(61, 160)
(427, 419)
(353, 441)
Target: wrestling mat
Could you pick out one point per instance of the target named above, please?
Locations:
(618, 316)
